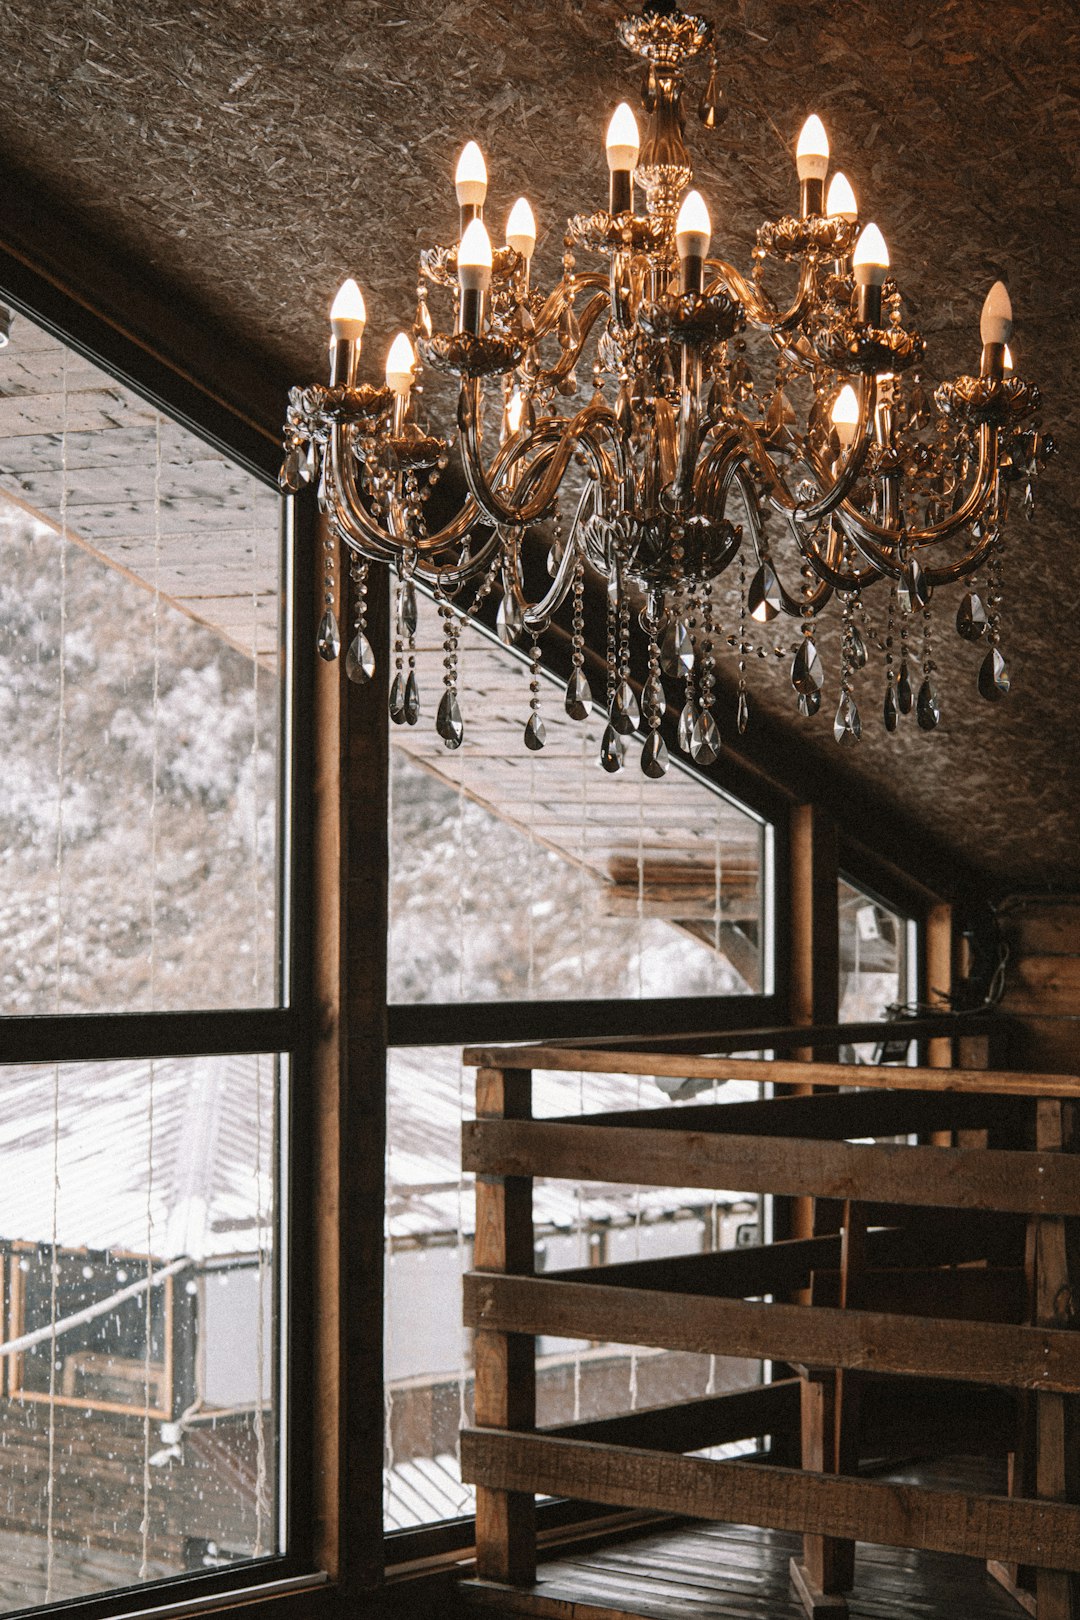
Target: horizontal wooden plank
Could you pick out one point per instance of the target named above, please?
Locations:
(779, 1268)
(1043, 929)
(1013, 1530)
(695, 1066)
(889, 1172)
(922, 1346)
(712, 1420)
(847, 1114)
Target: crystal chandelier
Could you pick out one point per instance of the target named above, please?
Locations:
(674, 422)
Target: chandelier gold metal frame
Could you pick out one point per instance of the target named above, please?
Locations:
(700, 433)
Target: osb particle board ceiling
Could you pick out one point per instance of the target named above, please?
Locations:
(252, 154)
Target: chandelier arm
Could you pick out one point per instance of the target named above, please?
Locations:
(453, 575)
(570, 357)
(483, 492)
(738, 474)
(826, 570)
(360, 522)
(562, 295)
(537, 617)
(778, 492)
(856, 523)
(759, 308)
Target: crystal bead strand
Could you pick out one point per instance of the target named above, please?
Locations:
(578, 700)
(891, 708)
(624, 713)
(654, 755)
(612, 747)
(448, 721)
(847, 726)
(705, 738)
(807, 675)
(742, 712)
(329, 637)
(360, 658)
(928, 703)
(535, 733)
(994, 679)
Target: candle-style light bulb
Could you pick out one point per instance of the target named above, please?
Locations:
(845, 414)
(693, 229)
(812, 164)
(474, 263)
(348, 317)
(995, 329)
(399, 365)
(521, 229)
(812, 150)
(471, 183)
(622, 143)
(348, 314)
(869, 263)
(840, 202)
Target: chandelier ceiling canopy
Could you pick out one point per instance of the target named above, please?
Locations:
(683, 428)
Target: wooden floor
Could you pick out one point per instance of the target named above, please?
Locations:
(732, 1572)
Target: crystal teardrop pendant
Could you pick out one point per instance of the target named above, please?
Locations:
(654, 755)
(612, 750)
(847, 727)
(807, 674)
(928, 706)
(289, 476)
(508, 620)
(891, 708)
(905, 697)
(859, 654)
(535, 733)
(406, 609)
(994, 676)
(972, 617)
(1029, 502)
(705, 741)
(687, 721)
(763, 598)
(422, 319)
(309, 466)
(329, 638)
(677, 650)
(711, 108)
(913, 590)
(412, 700)
(578, 701)
(809, 704)
(448, 721)
(360, 660)
(742, 714)
(397, 700)
(624, 715)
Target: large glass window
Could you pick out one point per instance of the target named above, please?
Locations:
(141, 771)
(878, 966)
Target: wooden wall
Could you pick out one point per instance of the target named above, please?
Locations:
(1042, 991)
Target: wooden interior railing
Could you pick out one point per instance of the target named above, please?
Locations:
(931, 1309)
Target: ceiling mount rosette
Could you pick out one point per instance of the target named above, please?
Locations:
(745, 452)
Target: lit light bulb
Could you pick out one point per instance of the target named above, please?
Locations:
(474, 250)
(840, 202)
(871, 257)
(348, 316)
(995, 325)
(845, 414)
(1007, 364)
(399, 365)
(521, 228)
(812, 150)
(471, 177)
(623, 141)
(693, 228)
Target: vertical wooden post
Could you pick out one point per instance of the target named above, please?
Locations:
(505, 1363)
(349, 879)
(938, 941)
(1057, 1474)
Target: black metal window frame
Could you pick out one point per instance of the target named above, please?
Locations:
(282, 1030)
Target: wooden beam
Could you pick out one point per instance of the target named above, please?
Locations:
(777, 1498)
(949, 1178)
(712, 1420)
(920, 1346)
(686, 1066)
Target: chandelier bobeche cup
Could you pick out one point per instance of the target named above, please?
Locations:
(621, 409)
